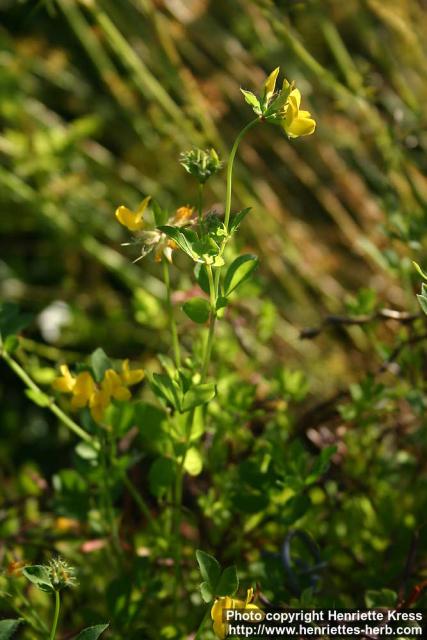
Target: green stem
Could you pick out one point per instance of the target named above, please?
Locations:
(55, 616)
(172, 323)
(230, 169)
(67, 421)
(214, 293)
(200, 206)
(202, 624)
(212, 320)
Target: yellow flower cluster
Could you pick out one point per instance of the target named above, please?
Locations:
(87, 393)
(282, 107)
(153, 239)
(221, 604)
(295, 121)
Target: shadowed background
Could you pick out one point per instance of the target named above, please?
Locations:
(97, 100)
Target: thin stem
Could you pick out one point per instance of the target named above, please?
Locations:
(212, 320)
(172, 323)
(66, 420)
(179, 482)
(202, 624)
(55, 616)
(230, 169)
(200, 206)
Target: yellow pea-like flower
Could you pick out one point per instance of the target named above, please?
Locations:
(220, 605)
(131, 376)
(83, 390)
(281, 107)
(183, 214)
(66, 382)
(112, 385)
(98, 404)
(132, 220)
(296, 121)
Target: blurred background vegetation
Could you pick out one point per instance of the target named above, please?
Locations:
(97, 100)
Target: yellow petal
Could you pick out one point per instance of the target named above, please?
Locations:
(183, 214)
(83, 389)
(270, 83)
(98, 404)
(66, 382)
(142, 207)
(129, 376)
(132, 220)
(122, 394)
(220, 628)
(300, 127)
(249, 595)
(295, 97)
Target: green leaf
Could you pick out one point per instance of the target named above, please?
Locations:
(279, 102)
(206, 592)
(423, 302)
(86, 451)
(321, 464)
(92, 633)
(239, 271)
(38, 397)
(39, 576)
(12, 321)
(221, 303)
(210, 569)
(252, 100)
(195, 396)
(8, 628)
(193, 463)
(381, 598)
(165, 389)
(185, 239)
(197, 309)
(228, 583)
(99, 362)
(201, 275)
(161, 216)
(161, 476)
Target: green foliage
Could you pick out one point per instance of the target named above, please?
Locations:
(39, 576)
(197, 309)
(8, 628)
(216, 582)
(243, 433)
(92, 633)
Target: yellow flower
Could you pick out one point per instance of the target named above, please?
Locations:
(66, 382)
(81, 387)
(182, 215)
(297, 122)
(281, 107)
(222, 604)
(98, 404)
(112, 385)
(129, 376)
(83, 390)
(86, 393)
(132, 220)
